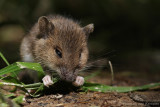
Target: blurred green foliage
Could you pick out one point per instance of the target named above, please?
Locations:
(128, 26)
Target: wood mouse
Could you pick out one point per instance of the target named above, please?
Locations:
(58, 44)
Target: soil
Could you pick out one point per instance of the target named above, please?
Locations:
(64, 95)
(97, 99)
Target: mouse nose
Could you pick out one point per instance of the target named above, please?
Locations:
(67, 75)
(70, 78)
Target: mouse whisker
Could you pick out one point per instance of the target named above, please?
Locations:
(100, 63)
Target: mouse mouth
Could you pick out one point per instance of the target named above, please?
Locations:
(68, 77)
(64, 74)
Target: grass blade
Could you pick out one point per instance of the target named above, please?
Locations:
(22, 65)
(33, 66)
(106, 88)
(9, 69)
(4, 59)
(10, 79)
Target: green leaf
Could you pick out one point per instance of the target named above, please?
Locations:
(19, 99)
(106, 88)
(9, 69)
(22, 65)
(4, 105)
(10, 79)
(39, 87)
(33, 66)
(10, 95)
(24, 87)
(4, 59)
(6, 102)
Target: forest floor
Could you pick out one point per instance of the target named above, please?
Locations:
(97, 99)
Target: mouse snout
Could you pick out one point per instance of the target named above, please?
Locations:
(67, 75)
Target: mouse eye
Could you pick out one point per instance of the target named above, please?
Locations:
(58, 53)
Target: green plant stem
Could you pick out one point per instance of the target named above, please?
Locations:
(20, 85)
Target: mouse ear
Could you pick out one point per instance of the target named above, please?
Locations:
(45, 25)
(88, 29)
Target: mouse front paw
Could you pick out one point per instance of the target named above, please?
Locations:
(47, 81)
(79, 81)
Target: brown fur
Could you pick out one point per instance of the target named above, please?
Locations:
(57, 32)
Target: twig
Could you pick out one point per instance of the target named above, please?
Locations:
(112, 73)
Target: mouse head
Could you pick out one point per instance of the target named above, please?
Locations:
(62, 45)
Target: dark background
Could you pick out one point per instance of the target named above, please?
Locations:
(129, 27)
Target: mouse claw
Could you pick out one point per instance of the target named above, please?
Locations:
(47, 81)
(79, 81)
